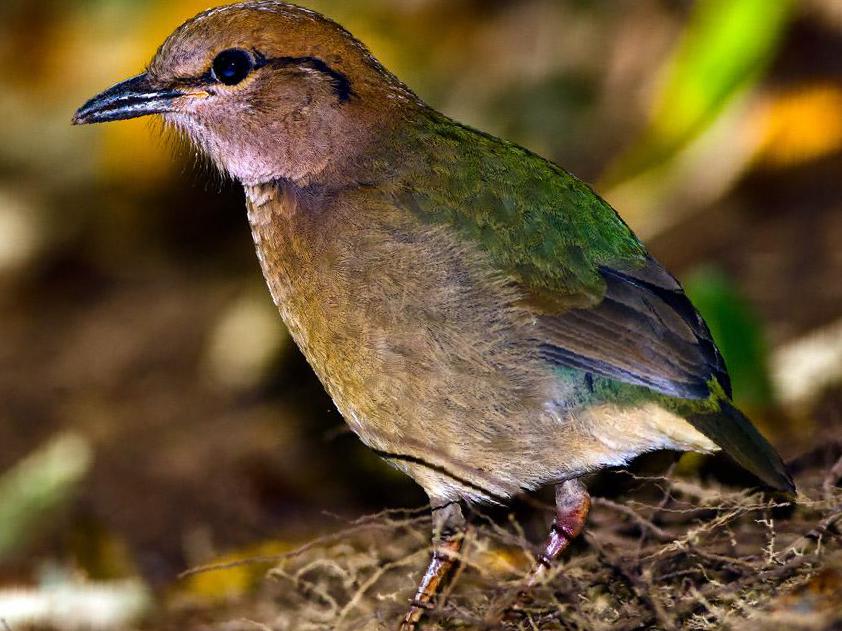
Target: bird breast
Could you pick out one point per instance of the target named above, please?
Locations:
(412, 333)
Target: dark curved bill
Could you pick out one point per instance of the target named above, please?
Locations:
(129, 99)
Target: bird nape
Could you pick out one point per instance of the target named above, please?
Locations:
(482, 319)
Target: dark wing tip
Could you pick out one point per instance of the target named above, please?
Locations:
(740, 439)
(655, 279)
(645, 332)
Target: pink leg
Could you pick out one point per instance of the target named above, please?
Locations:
(448, 536)
(572, 506)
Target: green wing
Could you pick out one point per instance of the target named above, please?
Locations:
(539, 223)
(603, 305)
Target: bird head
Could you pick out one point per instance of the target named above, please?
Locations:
(266, 89)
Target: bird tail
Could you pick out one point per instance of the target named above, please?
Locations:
(731, 430)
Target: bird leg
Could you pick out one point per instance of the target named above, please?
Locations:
(572, 505)
(448, 535)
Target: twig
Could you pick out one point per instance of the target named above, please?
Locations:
(363, 525)
(640, 589)
(659, 533)
(831, 478)
(313, 588)
(720, 558)
(824, 527)
(370, 581)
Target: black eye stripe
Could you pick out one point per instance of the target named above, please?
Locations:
(341, 82)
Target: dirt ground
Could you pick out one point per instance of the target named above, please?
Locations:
(670, 553)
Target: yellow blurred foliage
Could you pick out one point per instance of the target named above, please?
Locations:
(504, 561)
(126, 152)
(237, 575)
(127, 155)
(799, 126)
(102, 554)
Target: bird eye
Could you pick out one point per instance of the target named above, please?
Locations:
(232, 66)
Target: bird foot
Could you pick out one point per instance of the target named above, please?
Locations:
(449, 526)
(572, 506)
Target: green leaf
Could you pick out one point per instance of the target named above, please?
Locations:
(737, 331)
(724, 51)
(37, 487)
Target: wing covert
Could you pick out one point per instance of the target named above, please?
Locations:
(602, 303)
(644, 332)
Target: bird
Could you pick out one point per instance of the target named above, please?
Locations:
(483, 320)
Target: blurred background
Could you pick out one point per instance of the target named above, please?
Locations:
(154, 414)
